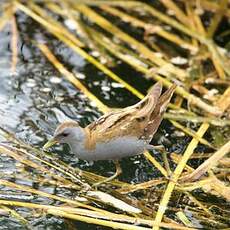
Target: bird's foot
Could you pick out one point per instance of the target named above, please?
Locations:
(95, 185)
(116, 174)
(155, 147)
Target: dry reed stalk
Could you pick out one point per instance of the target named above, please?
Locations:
(89, 216)
(91, 59)
(206, 40)
(8, 12)
(17, 155)
(140, 186)
(183, 218)
(192, 99)
(209, 163)
(192, 133)
(222, 8)
(179, 14)
(198, 203)
(150, 28)
(70, 77)
(139, 47)
(209, 5)
(69, 201)
(15, 215)
(48, 22)
(176, 174)
(156, 164)
(198, 119)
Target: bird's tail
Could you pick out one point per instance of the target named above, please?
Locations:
(157, 113)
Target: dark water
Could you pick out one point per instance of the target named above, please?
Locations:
(37, 98)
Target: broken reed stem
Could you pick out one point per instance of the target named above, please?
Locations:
(179, 14)
(53, 26)
(48, 195)
(150, 28)
(30, 163)
(141, 186)
(176, 174)
(94, 217)
(209, 163)
(192, 99)
(192, 134)
(223, 6)
(15, 215)
(198, 119)
(183, 218)
(138, 46)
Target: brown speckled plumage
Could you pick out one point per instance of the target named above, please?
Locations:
(140, 120)
(119, 133)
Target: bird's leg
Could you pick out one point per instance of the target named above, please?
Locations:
(116, 174)
(155, 147)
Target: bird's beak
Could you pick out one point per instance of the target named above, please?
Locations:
(50, 143)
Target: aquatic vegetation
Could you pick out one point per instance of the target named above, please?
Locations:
(169, 41)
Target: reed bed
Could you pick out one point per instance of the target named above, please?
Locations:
(201, 99)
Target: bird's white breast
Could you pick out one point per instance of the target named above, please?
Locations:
(111, 150)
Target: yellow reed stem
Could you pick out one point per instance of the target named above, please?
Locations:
(148, 27)
(48, 195)
(198, 203)
(156, 164)
(30, 163)
(85, 55)
(223, 6)
(179, 14)
(209, 163)
(48, 22)
(139, 47)
(6, 16)
(191, 133)
(176, 174)
(89, 217)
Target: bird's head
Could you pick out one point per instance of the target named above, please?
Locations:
(66, 132)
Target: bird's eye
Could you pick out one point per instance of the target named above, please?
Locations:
(65, 134)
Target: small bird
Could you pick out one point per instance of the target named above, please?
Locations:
(117, 134)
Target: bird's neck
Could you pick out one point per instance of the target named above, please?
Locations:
(77, 142)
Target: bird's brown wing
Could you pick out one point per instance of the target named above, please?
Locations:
(134, 120)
